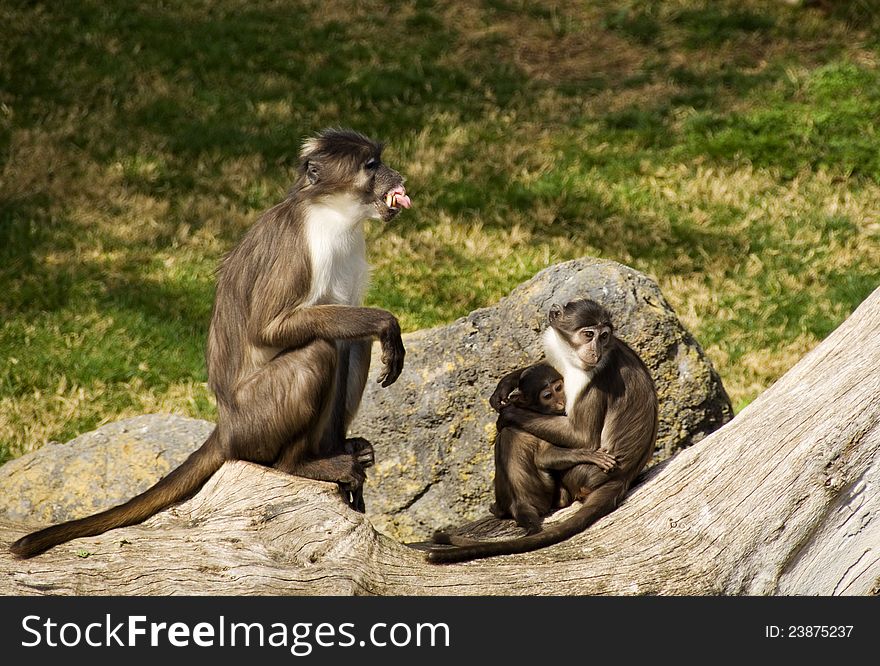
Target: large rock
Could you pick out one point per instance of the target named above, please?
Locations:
(96, 470)
(432, 430)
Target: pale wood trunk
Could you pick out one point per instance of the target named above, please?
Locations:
(782, 500)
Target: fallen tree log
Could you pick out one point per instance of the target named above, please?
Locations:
(782, 500)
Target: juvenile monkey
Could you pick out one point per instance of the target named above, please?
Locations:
(289, 342)
(611, 404)
(527, 486)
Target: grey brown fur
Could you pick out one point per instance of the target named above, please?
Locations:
(288, 345)
(524, 490)
(613, 410)
(527, 468)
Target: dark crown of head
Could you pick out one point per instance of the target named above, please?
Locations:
(586, 310)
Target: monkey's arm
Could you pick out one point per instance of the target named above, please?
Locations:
(557, 458)
(296, 328)
(505, 387)
(557, 430)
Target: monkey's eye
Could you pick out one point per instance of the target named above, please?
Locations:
(372, 164)
(604, 336)
(589, 335)
(312, 173)
(546, 395)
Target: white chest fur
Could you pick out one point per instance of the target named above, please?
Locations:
(562, 357)
(576, 382)
(335, 237)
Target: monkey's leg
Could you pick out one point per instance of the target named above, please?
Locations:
(580, 479)
(333, 435)
(348, 468)
(526, 516)
(563, 497)
(358, 369)
(362, 450)
(504, 449)
(332, 440)
(549, 457)
(282, 414)
(351, 378)
(342, 468)
(497, 511)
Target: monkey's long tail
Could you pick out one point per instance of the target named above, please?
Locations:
(599, 502)
(179, 484)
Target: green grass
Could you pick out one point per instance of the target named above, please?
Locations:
(729, 149)
(824, 118)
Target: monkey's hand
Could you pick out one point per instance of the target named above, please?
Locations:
(602, 459)
(505, 387)
(392, 352)
(499, 399)
(509, 415)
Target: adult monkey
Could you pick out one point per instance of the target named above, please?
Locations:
(289, 343)
(611, 404)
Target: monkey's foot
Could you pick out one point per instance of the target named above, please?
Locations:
(352, 485)
(498, 512)
(362, 451)
(564, 499)
(354, 497)
(531, 524)
(441, 537)
(445, 539)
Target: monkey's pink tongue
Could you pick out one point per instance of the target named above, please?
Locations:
(399, 198)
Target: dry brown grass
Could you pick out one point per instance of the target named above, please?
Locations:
(567, 140)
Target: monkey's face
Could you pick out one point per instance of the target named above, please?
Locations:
(590, 343)
(343, 163)
(385, 190)
(583, 333)
(541, 390)
(551, 400)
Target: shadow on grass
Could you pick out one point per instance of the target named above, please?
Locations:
(603, 91)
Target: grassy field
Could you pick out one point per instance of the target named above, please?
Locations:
(728, 149)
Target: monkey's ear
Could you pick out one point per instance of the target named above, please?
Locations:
(555, 312)
(516, 396)
(312, 172)
(309, 146)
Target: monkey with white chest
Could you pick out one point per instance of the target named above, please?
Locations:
(527, 468)
(611, 407)
(289, 341)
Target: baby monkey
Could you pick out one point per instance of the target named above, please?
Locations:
(526, 487)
